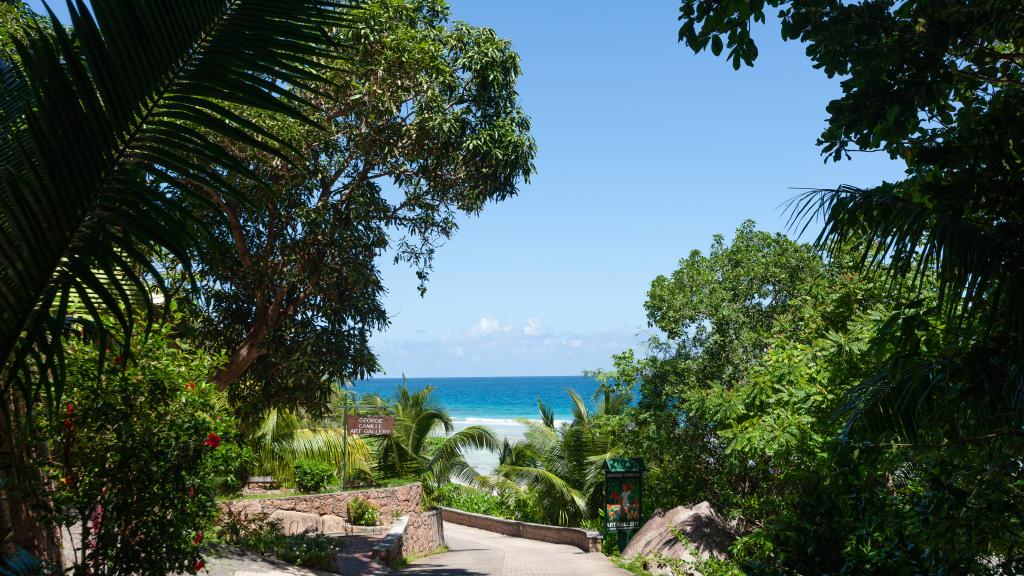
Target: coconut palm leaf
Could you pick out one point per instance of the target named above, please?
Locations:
(579, 407)
(448, 456)
(547, 415)
(559, 497)
(107, 127)
(282, 439)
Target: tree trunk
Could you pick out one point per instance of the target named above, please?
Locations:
(238, 363)
(26, 506)
(267, 320)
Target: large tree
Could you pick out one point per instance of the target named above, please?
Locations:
(424, 123)
(939, 85)
(762, 340)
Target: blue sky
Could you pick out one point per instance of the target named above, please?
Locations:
(645, 151)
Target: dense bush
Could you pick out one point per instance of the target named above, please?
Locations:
(261, 535)
(313, 476)
(469, 499)
(132, 456)
(362, 512)
(231, 466)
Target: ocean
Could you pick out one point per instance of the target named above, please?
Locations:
(495, 402)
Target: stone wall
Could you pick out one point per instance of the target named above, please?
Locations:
(424, 533)
(586, 540)
(392, 503)
(328, 513)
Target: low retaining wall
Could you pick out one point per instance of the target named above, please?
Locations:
(392, 503)
(586, 540)
(328, 513)
(423, 532)
(390, 547)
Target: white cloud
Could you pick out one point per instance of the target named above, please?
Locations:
(532, 327)
(487, 325)
(575, 343)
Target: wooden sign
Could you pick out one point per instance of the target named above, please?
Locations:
(370, 425)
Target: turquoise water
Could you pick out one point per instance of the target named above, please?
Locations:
(495, 402)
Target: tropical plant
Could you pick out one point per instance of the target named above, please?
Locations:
(285, 437)
(101, 125)
(408, 450)
(362, 512)
(423, 123)
(555, 474)
(133, 454)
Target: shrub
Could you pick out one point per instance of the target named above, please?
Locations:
(133, 445)
(469, 499)
(313, 476)
(362, 512)
(230, 467)
(261, 535)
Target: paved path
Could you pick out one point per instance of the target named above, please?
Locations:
(474, 552)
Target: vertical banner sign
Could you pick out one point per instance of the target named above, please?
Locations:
(623, 496)
(370, 425)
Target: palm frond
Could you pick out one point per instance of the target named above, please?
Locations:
(449, 455)
(580, 413)
(116, 116)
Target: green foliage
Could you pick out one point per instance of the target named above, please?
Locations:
(108, 130)
(15, 18)
(286, 436)
(939, 86)
(312, 476)
(134, 449)
(362, 512)
(231, 466)
(414, 449)
(422, 123)
(764, 342)
(554, 476)
(261, 535)
(469, 499)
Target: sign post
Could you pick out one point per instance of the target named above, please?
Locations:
(370, 425)
(344, 433)
(623, 496)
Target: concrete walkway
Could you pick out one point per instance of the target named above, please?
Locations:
(473, 552)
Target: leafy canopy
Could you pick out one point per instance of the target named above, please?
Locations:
(937, 85)
(423, 123)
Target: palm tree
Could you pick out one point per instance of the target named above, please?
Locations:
(105, 127)
(554, 475)
(559, 465)
(285, 437)
(408, 451)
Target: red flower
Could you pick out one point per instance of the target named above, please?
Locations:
(190, 386)
(191, 492)
(199, 565)
(212, 440)
(67, 424)
(615, 496)
(117, 360)
(198, 538)
(71, 409)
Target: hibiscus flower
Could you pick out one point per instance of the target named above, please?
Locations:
(212, 440)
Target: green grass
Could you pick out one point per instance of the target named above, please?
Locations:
(403, 561)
